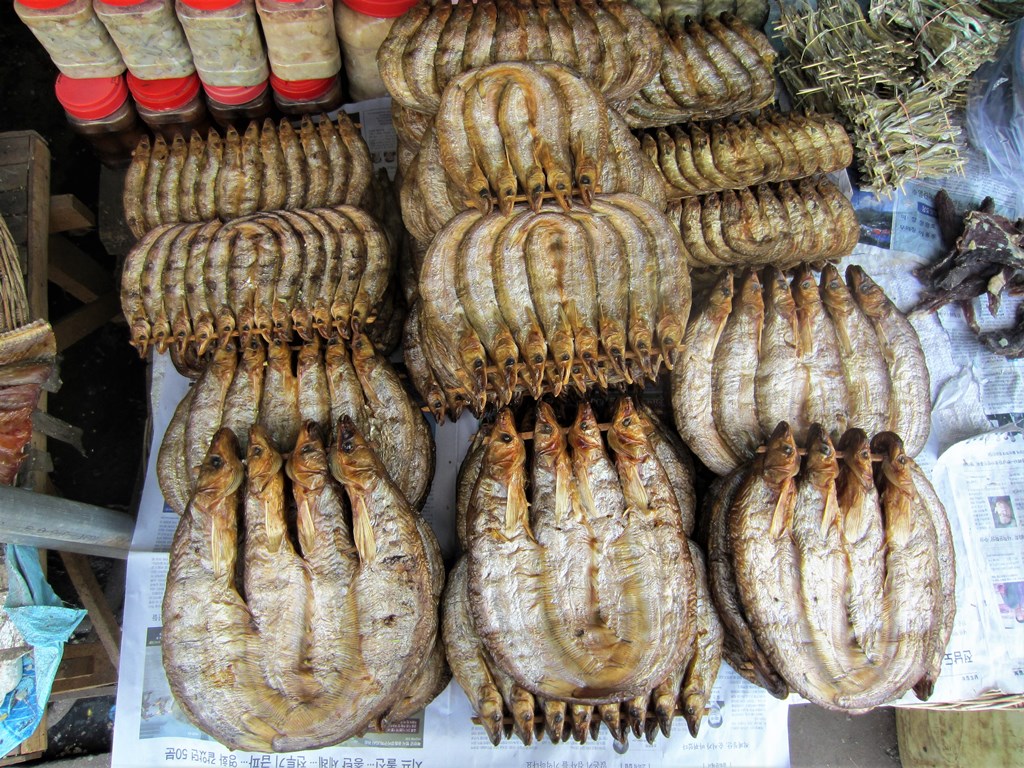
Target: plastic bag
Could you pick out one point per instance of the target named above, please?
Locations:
(995, 109)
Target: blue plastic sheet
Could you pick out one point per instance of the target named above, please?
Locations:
(46, 624)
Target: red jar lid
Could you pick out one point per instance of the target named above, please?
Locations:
(235, 94)
(166, 94)
(42, 5)
(209, 5)
(91, 98)
(122, 3)
(301, 90)
(382, 9)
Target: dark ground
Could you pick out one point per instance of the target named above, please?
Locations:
(103, 389)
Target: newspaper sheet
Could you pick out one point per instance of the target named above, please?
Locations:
(745, 726)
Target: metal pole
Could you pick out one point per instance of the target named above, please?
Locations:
(50, 522)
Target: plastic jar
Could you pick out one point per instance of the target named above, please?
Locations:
(301, 40)
(171, 105)
(225, 39)
(362, 26)
(99, 109)
(307, 97)
(149, 36)
(239, 106)
(76, 40)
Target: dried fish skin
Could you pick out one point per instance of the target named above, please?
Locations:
(741, 647)
(827, 401)
(134, 188)
(912, 597)
(778, 386)
(702, 669)
(176, 482)
(864, 367)
(467, 656)
(733, 404)
(202, 562)
(910, 405)
(863, 541)
(277, 582)
(692, 380)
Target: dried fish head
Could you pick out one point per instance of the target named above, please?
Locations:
(352, 460)
(262, 460)
(585, 434)
(895, 467)
(221, 473)
(870, 297)
(628, 435)
(505, 448)
(307, 466)
(781, 461)
(547, 434)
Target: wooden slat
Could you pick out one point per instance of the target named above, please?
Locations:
(931, 738)
(69, 214)
(84, 670)
(81, 322)
(76, 272)
(94, 601)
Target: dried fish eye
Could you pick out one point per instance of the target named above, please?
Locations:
(506, 438)
(626, 422)
(216, 462)
(308, 449)
(257, 451)
(546, 429)
(865, 454)
(834, 285)
(584, 424)
(787, 450)
(348, 446)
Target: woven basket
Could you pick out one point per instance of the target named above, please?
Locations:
(13, 301)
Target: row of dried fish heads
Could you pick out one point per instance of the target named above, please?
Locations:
(592, 291)
(665, 12)
(279, 390)
(782, 225)
(608, 42)
(338, 627)
(274, 275)
(276, 167)
(803, 351)
(521, 131)
(584, 592)
(710, 69)
(836, 581)
(698, 160)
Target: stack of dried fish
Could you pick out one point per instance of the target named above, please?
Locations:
(337, 632)
(526, 628)
(837, 582)
(698, 160)
(271, 387)
(985, 256)
(710, 69)
(776, 225)
(323, 271)
(322, 164)
(893, 85)
(608, 42)
(840, 355)
(668, 12)
(952, 39)
(516, 131)
(538, 300)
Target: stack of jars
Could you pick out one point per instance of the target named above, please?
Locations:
(190, 61)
